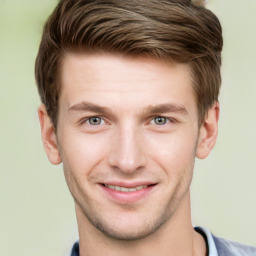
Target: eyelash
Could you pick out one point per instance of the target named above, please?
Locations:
(167, 120)
(159, 119)
(84, 121)
(152, 119)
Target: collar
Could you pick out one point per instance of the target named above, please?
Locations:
(209, 240)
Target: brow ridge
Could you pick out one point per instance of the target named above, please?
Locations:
(165, 108)
(87, 106)
(150, 110)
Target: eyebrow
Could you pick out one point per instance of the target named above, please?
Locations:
(86, 106)
(150, 110)
(167, 108)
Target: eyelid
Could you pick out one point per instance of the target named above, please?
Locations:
(150, 120)
(90, 120)
(84, 120)
(168, 119)
(153, 120)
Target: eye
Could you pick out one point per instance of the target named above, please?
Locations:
(94, 120)
(159, 120)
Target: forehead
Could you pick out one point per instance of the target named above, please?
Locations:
(139, 80)
(107, 67)
(108, 61)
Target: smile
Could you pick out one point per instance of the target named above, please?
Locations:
(124, 189)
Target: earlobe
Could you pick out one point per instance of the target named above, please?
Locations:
(208, 132)
(48, 136)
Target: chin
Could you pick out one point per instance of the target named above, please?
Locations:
(128, 227)
(127, 234)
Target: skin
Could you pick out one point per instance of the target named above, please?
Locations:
(129, 122)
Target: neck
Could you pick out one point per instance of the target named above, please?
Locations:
(175, 237)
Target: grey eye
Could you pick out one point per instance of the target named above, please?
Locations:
(95, 120)
(160, 120)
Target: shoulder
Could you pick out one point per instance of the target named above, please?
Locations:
(226, 247)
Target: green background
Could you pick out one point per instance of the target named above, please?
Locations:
(37, 212)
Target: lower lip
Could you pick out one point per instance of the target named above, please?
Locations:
(127, 197)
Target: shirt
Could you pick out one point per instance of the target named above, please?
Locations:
(216, 246)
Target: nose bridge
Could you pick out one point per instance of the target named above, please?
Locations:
(128, 152)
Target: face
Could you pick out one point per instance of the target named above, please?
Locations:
(127, 136)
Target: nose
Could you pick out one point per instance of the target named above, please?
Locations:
(127, 151)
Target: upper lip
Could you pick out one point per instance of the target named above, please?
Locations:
(129, 184)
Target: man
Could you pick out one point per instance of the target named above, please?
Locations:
(129, 94)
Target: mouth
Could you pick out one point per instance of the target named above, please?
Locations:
(127, 193)
(125, 189)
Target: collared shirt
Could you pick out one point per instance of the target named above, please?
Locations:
(204, 231)
(212, 250)
(215, 246)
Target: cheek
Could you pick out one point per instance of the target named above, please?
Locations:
(80, 155)
(174, 150)
(81, 152)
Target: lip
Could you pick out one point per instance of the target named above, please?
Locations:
(127, 197)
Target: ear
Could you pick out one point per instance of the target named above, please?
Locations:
(208, 132)
(48, 135)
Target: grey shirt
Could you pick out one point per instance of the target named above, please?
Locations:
(222, 247)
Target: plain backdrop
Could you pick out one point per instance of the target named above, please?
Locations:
(37, 212)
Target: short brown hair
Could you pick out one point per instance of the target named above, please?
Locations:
(179, 30)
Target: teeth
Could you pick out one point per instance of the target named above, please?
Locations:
(123, 189)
